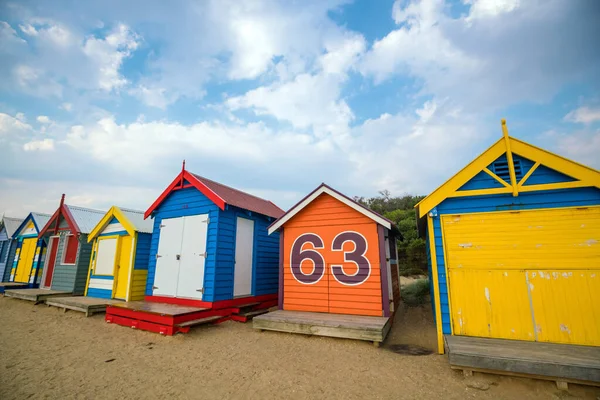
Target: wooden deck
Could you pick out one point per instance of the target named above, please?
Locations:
(84, 304)
(35, 295)
(163, 309)
(373, 329)
(558, 362)
(12, 285)
(163, 318)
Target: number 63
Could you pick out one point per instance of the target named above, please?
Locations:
(357, 256)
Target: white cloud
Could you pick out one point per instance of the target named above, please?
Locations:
(43, 119)
(39, 145)
(36, 82)
(582, 146)
(153, 96)
(310, 100)
(9, 40)
(583, 115)
(108, 55)
(66, 106)
(10, 125)
(494, 56)
(490, 8)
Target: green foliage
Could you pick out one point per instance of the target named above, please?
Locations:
(411, 251)
(415, 293)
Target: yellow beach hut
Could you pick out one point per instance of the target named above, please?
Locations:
(120, 255)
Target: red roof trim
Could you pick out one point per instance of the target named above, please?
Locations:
(66, 214)
(178, 183)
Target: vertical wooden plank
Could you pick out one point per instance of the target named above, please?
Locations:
(280, 297)
(385, 295)
(436, 285)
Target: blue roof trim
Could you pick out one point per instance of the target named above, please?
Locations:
(24, 224)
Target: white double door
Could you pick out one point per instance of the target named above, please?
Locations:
(181, 257)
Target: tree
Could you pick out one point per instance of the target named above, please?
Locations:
(411, 250)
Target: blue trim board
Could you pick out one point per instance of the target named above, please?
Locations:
(99, 293)
(118, 233)
(107, 277)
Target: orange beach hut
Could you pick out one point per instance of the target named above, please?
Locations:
(337, 257)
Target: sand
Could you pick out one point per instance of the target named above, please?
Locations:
(48, 354)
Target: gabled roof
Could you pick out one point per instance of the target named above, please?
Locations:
(85, 218)
(132, 220)
(323, 188)
(219, 194)
(583, 176)
(79, 219)
(39, 220)
(11, 225)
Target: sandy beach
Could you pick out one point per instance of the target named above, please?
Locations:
(48, 354)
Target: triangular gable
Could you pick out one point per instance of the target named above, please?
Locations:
(546, 170)
(182, 181)
(11, 226)
(111, 215)
(61, 214)
(28, 227)
(323, 188)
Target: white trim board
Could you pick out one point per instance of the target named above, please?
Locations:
(324, 189)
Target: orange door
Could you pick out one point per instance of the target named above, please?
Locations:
(331, 260)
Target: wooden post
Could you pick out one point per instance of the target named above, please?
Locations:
(436, 287)
(509, 158)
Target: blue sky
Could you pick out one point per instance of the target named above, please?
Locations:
(103, 100)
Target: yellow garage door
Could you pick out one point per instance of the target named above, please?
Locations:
(528, 275)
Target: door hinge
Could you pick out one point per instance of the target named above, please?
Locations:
(158, 256)
(154, 287)
(200, 290)
(205, 254)
(207, 221)
(161, 226)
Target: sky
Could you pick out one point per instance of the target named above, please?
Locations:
(102, 100)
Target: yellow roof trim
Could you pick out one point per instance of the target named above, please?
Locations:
(561, 164)
(587, 177)
(462, 177)
(113, 212)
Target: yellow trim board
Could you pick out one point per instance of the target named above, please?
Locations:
(118, 214)
(586, 176)
(436, 286)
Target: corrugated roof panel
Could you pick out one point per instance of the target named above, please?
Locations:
(11, 225)
(40, 219)
(241, 199)
(85, 218)
(137, 219)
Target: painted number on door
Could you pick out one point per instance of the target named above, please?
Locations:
(356, 256)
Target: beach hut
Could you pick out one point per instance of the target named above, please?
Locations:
(30, 252)
(119, 266)
(119, 263)
(65, 268)
(210, 257)
(8, 246)
(339, 273)
(514, 250)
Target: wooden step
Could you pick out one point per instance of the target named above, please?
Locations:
(199, 321)
(254, 313)
(247, 305)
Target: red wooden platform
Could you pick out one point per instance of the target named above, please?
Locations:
(169, 316)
